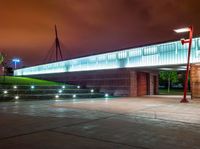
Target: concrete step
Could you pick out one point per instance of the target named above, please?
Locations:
(27, 92)
(49, 96)
(39, 87)
(45, 91)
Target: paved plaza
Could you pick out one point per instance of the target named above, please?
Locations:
(156, 122)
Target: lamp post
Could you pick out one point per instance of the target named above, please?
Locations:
(183, 41)
(16, 60)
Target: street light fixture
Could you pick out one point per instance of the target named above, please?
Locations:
(16, 60)
(182, 30)
(183, 41)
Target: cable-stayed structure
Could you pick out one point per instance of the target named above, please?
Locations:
(55, 53)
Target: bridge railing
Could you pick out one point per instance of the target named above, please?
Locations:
(170, 53)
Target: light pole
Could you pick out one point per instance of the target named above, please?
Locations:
(183, 41)
(16, 60)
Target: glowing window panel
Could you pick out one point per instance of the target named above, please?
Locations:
(150, 50)
(102, 57)
(122, 54)
(112, 56)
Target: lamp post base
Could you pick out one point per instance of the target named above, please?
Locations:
(184, 100)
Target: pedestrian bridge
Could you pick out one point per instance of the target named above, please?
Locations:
(139, 71)
(157, 55)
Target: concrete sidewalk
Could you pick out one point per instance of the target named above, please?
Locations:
(138, 123)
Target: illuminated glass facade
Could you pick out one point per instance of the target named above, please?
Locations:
(170, 53)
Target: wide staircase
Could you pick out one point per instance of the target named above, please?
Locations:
(46, 92)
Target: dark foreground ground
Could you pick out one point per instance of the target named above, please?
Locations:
(138, 123)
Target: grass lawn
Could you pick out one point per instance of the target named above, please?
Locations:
(172, 92)
(11, 80)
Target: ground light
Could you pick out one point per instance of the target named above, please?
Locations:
(16, 97)
(57, 96)
(92, 90)
(183, 41)
(15, 87)
(63, 87)
(106, 95)
(78, 87)
(74, 96)
(32, 87)
(60, 91)
(5, 92)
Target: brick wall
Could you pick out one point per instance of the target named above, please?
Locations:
(133, 84)
(142, 83)
(195, 81)
(119, 82)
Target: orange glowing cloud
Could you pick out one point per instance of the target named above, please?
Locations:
(89, 26)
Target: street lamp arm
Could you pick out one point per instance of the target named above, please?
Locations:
(183, 41)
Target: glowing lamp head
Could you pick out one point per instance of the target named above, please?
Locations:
(59, 91)
(32, 87)
(183, 30)
(16, 60)
(15, 87)
(63, 87)
(92, 90)
(78, 87)
(74, 96)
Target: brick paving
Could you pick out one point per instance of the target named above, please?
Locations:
(156, 122)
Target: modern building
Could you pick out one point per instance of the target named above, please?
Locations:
(130, 72)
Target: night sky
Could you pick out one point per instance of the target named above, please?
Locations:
(90, 26)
